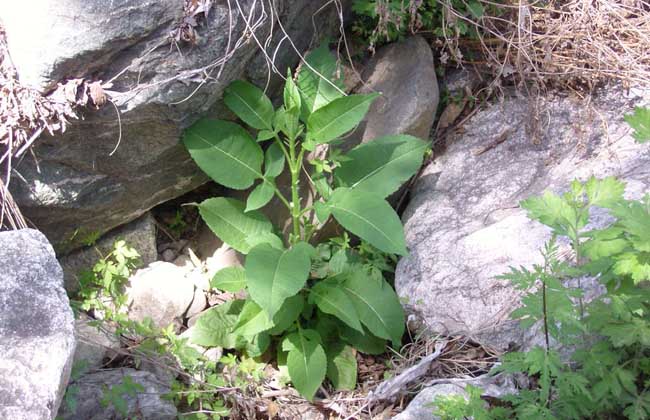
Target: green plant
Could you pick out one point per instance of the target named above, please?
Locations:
(453, 407)
(178, 225)
(115, 395)
(102, 287)
(196, 393)
(382, 21)
(640, 122)
(315, 304)
(610, 376)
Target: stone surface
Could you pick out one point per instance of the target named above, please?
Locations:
(94, 345)
(146, 405)
(37, 340)
(459, 85)
(463, 225)
(404, 74)
(76, 180)
(420, 407)
(161, 292)
(139, 234)
(494, 386)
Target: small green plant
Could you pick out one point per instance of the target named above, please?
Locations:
(116, 395)
(178, 225)
(640, 122)
(196, 393)
(102, 287)
(315, 304)
(611, 376)
(383, 21)
(453, 407)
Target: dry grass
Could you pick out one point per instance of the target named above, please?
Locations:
(573, 43)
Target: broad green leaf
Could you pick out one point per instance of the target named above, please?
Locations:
(318, 87)
(377, 304)
(551, 210)
(252, 320)
(307, 363)
(214, 326)
(261, 195)
(266, 238)
(604, 243)
(291, 341)
(250, 104)
(273, 161)
(640, 122)
(229, 279)
(370, 217)
(274, 275)
(323, 211)
(338, 117)
(226, 218)
(605, 192)
(633, 264)
(331, 299)
(288, 313)
(306, 249)
(342, 367)
(225, 152)
(365, 343)
(382, 165)
(634, 216)
(264, 135)
(291, 95)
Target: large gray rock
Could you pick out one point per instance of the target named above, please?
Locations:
(148, 404)
(463, 225)
(404, 74)
(37, 340)
(76, 181)
(139, 234)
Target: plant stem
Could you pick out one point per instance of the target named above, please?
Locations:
(295, 164)
(545, 311)
(576, 249)
(277, 191)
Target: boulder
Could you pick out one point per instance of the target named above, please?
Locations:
(163, 292)
(37, 340)
(422, 408)
(139, 234)
(147, 404)
(464, 225)
(122, 160)
(404, 74)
